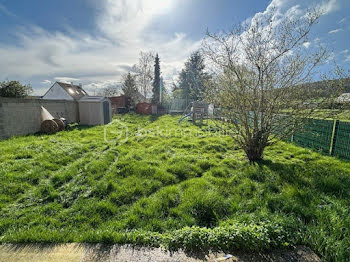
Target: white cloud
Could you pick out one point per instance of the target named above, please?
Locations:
(342, 20)
(307, 44)
(347, 59)
(283, 10)
(331, 57)
(46, 82)
(96, 60)
(335, 31)
(94, 88)
(329, 6)
(345, 51)
(64, 79)
(99, 60)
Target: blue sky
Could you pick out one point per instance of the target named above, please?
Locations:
(95, 41)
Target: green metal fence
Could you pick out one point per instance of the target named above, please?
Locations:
(342, 140)
(330, 137)
(317, 134)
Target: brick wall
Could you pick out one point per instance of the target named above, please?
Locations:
(22, 116)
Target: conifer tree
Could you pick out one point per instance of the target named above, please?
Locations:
(156, 82)
(193, 77)
(129, 87)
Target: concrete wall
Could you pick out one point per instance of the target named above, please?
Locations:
(23, 116)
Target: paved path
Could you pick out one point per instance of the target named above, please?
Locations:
(115, 253)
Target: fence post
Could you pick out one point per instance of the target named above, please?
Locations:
(334, 137)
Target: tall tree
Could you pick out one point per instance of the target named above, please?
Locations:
(156, 82)
(193, 77)
(14, 89)
(261, 70)
(144, 73)
(129, 87)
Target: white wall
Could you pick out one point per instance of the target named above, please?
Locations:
(57, 93)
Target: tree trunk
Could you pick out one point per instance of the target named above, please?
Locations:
(254, 154)
(254, 149)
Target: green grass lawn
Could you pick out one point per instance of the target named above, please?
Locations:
(180, 186)
(337, 114)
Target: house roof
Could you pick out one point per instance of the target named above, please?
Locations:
(75, 91)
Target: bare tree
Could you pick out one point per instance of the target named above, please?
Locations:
(261, 73)
(144, 72)
(110, 91)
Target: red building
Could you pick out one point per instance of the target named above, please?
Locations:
(144, 108)
(120, 104)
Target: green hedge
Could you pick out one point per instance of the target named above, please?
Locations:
(235, 235)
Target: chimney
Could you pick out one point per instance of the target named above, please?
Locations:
(80, 85)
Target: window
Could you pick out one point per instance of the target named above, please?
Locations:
(71, 90)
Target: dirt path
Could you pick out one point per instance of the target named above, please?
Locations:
(115, 253)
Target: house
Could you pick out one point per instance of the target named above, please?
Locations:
(120, 104)
(344, 98)
(65, 91)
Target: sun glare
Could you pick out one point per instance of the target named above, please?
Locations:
(157, 6)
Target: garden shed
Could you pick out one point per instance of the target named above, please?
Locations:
(95, 110)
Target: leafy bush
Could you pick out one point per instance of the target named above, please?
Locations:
(14, 89)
